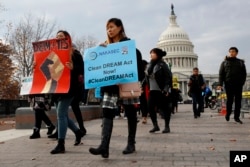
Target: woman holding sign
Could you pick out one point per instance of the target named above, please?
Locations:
(63, 102)
(116, 33)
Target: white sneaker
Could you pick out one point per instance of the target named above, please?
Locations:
(117, 117)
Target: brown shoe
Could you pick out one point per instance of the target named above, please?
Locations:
(144, 120)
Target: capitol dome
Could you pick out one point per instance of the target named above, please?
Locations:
(175, 41)
(173, 32)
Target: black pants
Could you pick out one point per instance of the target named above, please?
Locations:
(132, 123)
(131, 112)
(109, 113)
(174, 104)
(159, 101)
(206, 100)
(197, 99)
(40, 116)
(85, 96)
(77, 112)
(234, 94)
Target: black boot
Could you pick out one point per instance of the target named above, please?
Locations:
(59, 148)
(238, 120)
(156, 128)
(36, 133)
(132, 126)
(84, 131)
(166, 129)
(79, 134)
(103, 149)
(50, 129)
(54, 135)
(167, 116)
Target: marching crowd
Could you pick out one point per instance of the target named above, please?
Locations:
(157, 95)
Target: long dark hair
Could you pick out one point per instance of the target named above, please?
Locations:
(118, 23)
(66, 34)
(159, 52)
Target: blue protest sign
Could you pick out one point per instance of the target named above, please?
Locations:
(110, 65)
(98, 93)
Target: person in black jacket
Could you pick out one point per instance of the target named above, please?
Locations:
(77, 72)
(176, 97)
(197, 85)
(63, 102)
(160, 84)
(233, 74)
(116, 33)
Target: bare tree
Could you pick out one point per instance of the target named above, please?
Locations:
(85, 42)
(82, 44)
(1, 9)
(28, 30)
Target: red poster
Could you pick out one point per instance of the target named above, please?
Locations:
(50, 73)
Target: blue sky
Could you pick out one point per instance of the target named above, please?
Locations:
(212, 25)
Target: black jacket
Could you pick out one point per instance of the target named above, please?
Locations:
(76, 74)
(233, 71)
(114, 88)
(195, 83)
(76, 82)
(163, 75)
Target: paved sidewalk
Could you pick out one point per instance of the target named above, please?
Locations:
(202, 142)
(7, 122)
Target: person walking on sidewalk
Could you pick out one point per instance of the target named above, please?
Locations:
(78, 72)
(176, 97)
(116, 33)
(160, 84)
(233, 74)
(197, 85)
(40, 104)
(63, 102)
(207, 94)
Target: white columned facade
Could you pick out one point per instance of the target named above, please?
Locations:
(180, 53)
(175, 41)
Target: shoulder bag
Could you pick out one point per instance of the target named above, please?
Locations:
(130, 90)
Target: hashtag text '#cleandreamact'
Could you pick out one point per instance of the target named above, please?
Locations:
(112, 77)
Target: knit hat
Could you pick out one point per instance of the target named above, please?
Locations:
(160, 53)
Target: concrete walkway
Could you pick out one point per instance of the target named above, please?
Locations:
(202, 142)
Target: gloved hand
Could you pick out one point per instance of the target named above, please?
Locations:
(80, 79)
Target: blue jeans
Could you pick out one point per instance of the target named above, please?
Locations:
(63, 119)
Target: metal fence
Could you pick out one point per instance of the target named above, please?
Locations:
(245, 104)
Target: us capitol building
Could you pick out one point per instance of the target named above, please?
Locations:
(181, 57)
